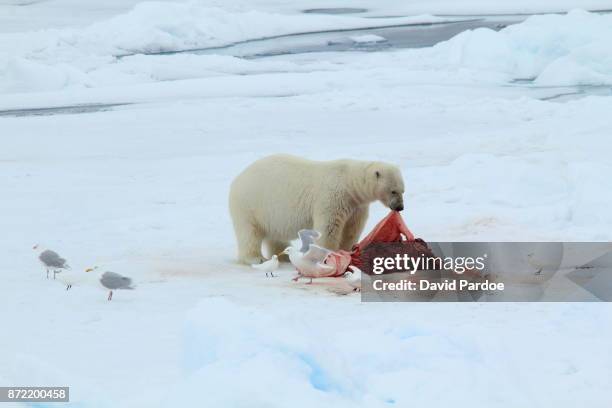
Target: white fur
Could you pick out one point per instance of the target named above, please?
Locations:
(275, 197)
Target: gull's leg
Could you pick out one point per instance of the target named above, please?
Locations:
(110, 295)
(47, 273)
(54, 273)
(310, 283)
(67, 287)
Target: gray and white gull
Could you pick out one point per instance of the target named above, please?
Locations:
(51, 260)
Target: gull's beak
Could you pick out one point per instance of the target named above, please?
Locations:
(89, 269)
(35, 246)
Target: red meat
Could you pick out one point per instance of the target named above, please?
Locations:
(390, 229)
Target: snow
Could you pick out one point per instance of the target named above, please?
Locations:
(544, 48)
(141, 189)
(553, 49)
(27, 15)
(345, 370)
(368, 38)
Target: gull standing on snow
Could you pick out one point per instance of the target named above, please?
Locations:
(112, 281)
(310, 264)
(51, 260)
(71, 277)
(354, 278)
(268, 266)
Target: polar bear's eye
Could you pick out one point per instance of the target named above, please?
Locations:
(394, 192)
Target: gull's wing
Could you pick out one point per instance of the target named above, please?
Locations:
(308, 237)
(316, 254)
(266, 266)
(52, 259)
(112, 280)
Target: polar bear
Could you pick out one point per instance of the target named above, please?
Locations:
(275, 197)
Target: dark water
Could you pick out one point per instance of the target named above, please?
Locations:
(574, 92)
(335, 10)
(59, 110)
(562, 93)
(396, 37)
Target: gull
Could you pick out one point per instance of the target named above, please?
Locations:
(310, 264)
(308, 237)
(112, 281)
(268, 266)
(70, 278)
(353, 277)
(51, 260)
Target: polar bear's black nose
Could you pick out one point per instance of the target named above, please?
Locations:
(399, 207)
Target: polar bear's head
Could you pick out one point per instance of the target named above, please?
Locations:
(388, 184)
